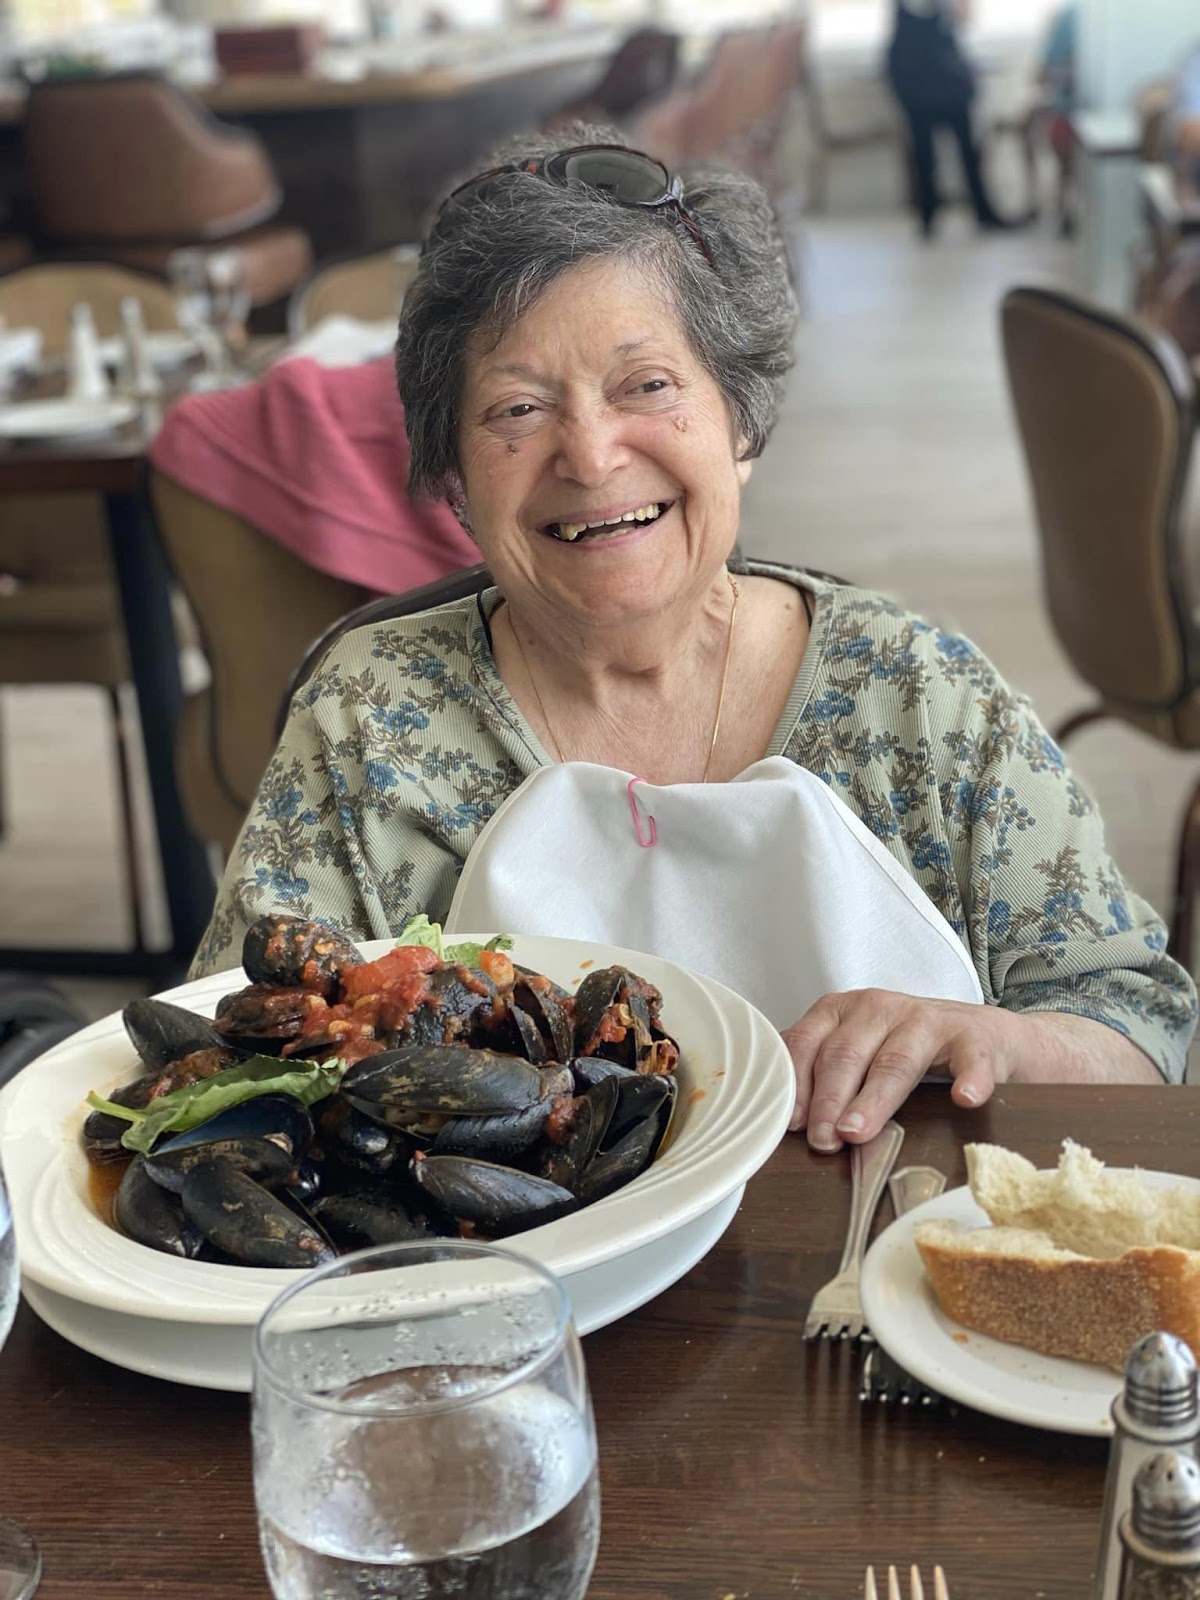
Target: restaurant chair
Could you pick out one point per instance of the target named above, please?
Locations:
(60, 613)
(370, 287)
(643, 68)
(1106, 411)
(257, 606)
(33, 1016)
(132, 168)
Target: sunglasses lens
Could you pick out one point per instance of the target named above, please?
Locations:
(629, 178)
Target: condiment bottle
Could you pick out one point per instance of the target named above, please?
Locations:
(1157, 1410)
(1160, 1535)
(86, 378)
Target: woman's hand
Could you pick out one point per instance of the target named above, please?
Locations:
(858, 1055)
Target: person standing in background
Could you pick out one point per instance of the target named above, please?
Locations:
(1183, 127)
(935, 85)
(1057, 81)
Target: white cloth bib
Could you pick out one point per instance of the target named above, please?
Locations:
(769, 884)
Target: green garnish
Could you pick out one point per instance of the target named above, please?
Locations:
(419, 930)
(186, 1108)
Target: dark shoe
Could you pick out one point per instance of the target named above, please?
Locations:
(993, 222)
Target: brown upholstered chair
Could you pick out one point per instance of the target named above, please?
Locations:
(370, 287)
(257, 607)
(643, 68)
(60, 614)
(130, 167)
(1106, 409)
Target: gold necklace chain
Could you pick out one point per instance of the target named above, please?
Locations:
(733, 584)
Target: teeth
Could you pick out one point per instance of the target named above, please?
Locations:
(572, 530)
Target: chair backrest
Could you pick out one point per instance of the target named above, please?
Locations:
(42, 297)
(132, 157)
(1106, 413)
(472, 580)
(643, 67)
(370, 287)
(257, 606)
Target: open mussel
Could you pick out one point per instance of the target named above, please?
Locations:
(356, 1145)
(146, 1212)
(455, 1000)
(617, 1016)
(550, 1007)
(494, 1199)
(102, 1130)
(263, 1017)
(244, 1222)
(283, 951)
(265, 1138)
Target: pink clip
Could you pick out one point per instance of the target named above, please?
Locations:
(637, 819)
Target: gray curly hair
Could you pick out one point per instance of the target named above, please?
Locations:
(490, 258)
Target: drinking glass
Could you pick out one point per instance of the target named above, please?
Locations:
(20, 1559)
(194, 311)
(422, 1427)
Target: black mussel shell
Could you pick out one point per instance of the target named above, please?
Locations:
(639, 1096)
(591, 1115)
(613, 1168)
(263, 1160)
(456, 999)
(610, 1001)
(264, 1017)
(507, 1139)
(293, 952)
(162, 1033)
(306, 1182)
(355, 1143)
(551, 1008)
(357, 1218)
(243, 1221)
(497, 1200)
(147, 1213)
(588, 1071)
(451, 1079)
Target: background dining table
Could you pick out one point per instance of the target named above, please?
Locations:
(737, 1462)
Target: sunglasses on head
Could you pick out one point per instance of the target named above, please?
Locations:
(626, 177)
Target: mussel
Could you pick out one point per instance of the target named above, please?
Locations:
(283, 951)
(617, 1016)
(243, 1221)
(451, 1079)
(264, 1017)
(266, 1138)
(497, 1200)
(162, 1033)
(146, 1212)
(360, 1217)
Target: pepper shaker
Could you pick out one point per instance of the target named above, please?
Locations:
(1160, 1535)
(1157, 1410)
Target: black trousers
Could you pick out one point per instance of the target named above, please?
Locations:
(923, 121)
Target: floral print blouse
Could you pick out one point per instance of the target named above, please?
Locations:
(406, 741)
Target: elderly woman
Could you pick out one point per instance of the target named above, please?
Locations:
(790, 784)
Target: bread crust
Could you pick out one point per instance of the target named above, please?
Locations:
(1074, 1306)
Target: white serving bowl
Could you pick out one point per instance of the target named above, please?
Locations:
(735, 1096)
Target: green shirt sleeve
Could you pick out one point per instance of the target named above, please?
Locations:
(1061, 929)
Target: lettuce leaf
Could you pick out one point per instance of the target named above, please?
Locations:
(186, 1108)
(419, 930)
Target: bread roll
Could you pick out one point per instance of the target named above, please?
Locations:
(1081, 1262)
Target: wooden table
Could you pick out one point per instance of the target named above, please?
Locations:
(736, 1461)
(114, 468)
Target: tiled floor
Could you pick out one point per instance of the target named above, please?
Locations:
(895, 464)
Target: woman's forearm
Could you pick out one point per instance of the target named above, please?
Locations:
(1070, 1049)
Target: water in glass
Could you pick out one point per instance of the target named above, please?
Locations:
(472, 1477)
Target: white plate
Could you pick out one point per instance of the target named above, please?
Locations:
(165, 348)
(64, 419)
(1005, 1380)
(216, 1357)
(735, 1096)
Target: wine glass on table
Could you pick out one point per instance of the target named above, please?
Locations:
(422, 1427)
(20, 1559)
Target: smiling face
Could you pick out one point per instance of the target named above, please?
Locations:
(599, 459)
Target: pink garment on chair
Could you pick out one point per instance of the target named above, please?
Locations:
(317, 458)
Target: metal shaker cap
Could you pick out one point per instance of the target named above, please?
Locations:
(1160, 1381)
(1166, 1502)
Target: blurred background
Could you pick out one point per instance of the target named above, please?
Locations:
(196, 194)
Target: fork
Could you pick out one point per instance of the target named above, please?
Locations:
(836, 1311)
(883, 1378)
(916, 1589)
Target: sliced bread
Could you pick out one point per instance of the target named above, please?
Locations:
(1081, 1263)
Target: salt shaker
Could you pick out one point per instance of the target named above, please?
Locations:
(137, 374)
(86, 378)
(1157, 1410)
(1160, 1535)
